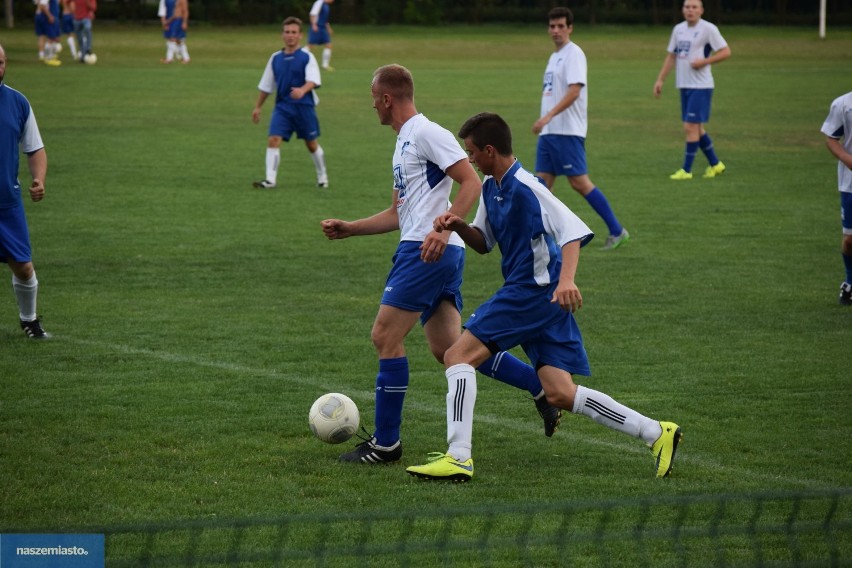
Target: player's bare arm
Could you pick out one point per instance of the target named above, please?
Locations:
(255, 113)
(37, 163)
(298, 92)
(572, 95)
(470, 188)
(668, 65)
(717, 57)
(382, 222)
(838, 151)
(567, 295)
(470, 235)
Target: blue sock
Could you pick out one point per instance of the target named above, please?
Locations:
(847, 262)
(599, 203)
(706, 145)
(508, 369)
(391, 385)
(689, 156)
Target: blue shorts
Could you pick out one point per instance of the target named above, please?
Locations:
(66, 24)
(695, 105)
(561, 155)
(301, 119)
(523, 315)
(418, 286)
(846, 212)
(175, 30)
(14, 235)
(319, 37)
(44, 28)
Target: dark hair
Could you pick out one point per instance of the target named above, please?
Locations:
(487, 128)
(290, 20)
(561, 12)
(395, 80)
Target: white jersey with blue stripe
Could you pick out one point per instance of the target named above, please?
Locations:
(424, 151)
(566, 67)
(18, 133)
(838, 125)
(689, 43)
(529, 224)
(287, 70)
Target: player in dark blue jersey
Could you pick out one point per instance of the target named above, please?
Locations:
(292, 75)
(539, 239)
(19, 133)
(320, 32)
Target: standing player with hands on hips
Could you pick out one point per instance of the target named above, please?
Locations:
(19, 133)
(838, 139)
(424, 282)
(694, 46)
(539, 240)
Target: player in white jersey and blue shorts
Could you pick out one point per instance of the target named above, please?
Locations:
(320, 31)
(19, 134)
(563, 123)
(695, 44)
(292, 75)
(540, 240)
(424, 283)
(838, 132)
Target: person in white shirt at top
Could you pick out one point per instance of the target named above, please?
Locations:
(694, 46)
(838, 139)
(564, 122)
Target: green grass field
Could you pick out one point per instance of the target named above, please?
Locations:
(197, 319)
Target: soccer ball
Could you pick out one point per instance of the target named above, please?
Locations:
(90, 58)
(334, 418)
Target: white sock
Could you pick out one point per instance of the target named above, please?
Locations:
(26, 293)
(170, 50)
(604, 410)
(461, 396)
(72, 45)
(319, 162)
(49, 52)
(273, 156)
(326, 56)
(184, 52)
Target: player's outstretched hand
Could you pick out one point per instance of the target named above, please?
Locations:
(447, 221)
(335, 229)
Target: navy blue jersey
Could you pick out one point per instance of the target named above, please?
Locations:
(18, 131)
(284, 71)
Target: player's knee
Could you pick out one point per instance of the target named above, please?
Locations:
(846, 245)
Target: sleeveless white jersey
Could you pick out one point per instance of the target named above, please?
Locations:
(424, 151)
(566, 67)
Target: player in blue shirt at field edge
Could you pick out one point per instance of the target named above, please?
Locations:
(425, 280)
(292, 74)
(19, 133)
(539, 240)
(320, 32)
(694, 45)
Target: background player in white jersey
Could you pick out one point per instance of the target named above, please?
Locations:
(539, 239)
(292, 74)
(563, 124)
(838, 131)
(321, 32)
(19, 133)
(425, 280)
(695, 44)
(174, 15)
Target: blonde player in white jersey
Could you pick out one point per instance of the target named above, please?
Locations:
(424, 282)
(563, 123)
(695, 45)
(838, 139)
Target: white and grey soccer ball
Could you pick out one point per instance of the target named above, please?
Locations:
(90, 58)
(334, 418)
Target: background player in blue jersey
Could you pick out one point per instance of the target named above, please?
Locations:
(694, 45)
(292, 74)
(564, 122)
(48, 31)
(539, 239)
(19, 133)
(425, 280)
(174, 15)
(66, 26)
(321, 32)
(838, 138)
